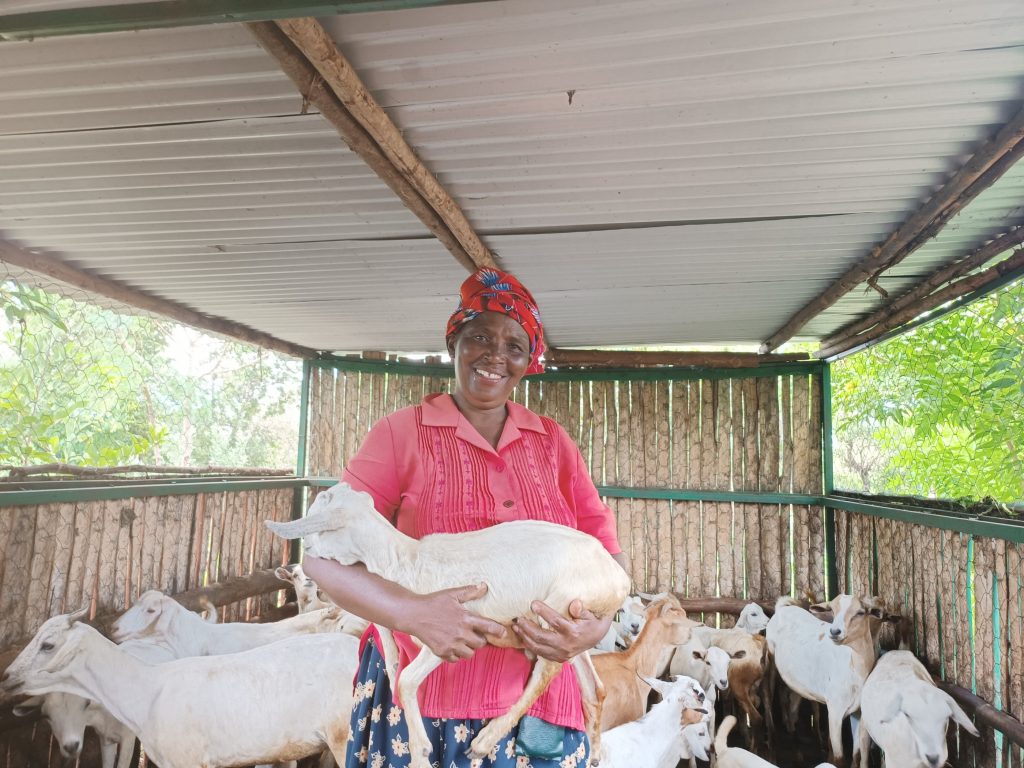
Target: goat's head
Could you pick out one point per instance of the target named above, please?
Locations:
(47, 654)
(151, 615)
(926, 710)
(669, 622)
(632, 614)
(326, 530)
(698, 740)
(69, 716)
(682, 690)
(717, 661)
(305, 588)
(752, 619)
(851, 618)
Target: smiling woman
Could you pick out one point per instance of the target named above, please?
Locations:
(457, 463)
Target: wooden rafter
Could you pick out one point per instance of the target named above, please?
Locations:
(320, 50)
(63, 272)
(958, 269)
(953, 291)
(985, 167)
(628, 359)
(313, 91)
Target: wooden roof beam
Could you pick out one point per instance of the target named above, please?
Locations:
(63, 272)
(985, 167)
(630, 359)
(319, 49)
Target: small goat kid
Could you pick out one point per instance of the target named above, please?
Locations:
(520, 562)
(307, 595)
(187, 713)
(734, 757)
(906, 714)
(664, 735)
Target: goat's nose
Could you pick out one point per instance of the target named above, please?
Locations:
(835, 631)
(71, 748)
(932, 760)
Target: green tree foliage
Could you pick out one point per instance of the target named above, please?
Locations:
(83, 385)
(939, 411)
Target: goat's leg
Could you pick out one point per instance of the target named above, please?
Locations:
(543, 673)
(412, 677)
(593, 694)
(862, 744)
(835, 733)
(126, 748)
(389, 649)
(108, 751)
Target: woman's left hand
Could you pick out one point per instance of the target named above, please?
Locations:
(566, 637)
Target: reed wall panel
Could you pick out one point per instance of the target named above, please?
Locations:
(963, 596)
(744, 434)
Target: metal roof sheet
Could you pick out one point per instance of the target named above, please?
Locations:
(704, 168)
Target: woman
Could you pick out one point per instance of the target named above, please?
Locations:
(456, 463)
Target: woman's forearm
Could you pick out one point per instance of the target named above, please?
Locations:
(365, 594)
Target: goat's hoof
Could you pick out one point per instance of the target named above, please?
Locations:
(481, 746)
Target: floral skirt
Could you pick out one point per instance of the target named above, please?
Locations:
(380, 736)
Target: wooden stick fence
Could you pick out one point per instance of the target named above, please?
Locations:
(964, 595)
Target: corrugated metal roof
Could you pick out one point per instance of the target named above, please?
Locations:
(715, 167)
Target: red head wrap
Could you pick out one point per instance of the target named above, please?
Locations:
(491, 290)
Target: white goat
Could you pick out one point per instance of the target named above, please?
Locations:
(734, 757)
(155, 617)
(752, 619)
(307, 594)
(202, 712)
(629, 620)
(70, 715)
(709, 666)
(657, 740)
(906, 714)
(520, 562)
(827, 663)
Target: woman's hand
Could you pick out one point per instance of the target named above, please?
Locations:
(442, 623)
(567, 637)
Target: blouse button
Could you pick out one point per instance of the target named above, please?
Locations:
(508, 503)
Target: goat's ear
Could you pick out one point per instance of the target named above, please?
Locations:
(890, 712)
(296, 529)
(699, 655)
(959, 715)
(28, 706)
(283, 573)
(738, 655)
(820, 608)
(658, 685)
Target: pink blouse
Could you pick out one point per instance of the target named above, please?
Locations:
(430, 471)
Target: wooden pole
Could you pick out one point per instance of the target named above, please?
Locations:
(950, 272)
(322, 52)
(950, 292)
(730, 605)
(625, 358)
(63, 272)
(986, 166)
(311, 85)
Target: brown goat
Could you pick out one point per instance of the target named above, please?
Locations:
(625, 693)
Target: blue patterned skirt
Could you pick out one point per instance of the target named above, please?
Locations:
(380, 736)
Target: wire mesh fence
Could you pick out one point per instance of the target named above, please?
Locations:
(85, 381)
(939, 411)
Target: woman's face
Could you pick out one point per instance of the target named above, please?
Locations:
(490, 353)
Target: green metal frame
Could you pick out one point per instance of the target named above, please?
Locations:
(828, 483)
(185, 13)
(135, 489)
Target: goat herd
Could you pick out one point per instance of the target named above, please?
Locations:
(199, 693)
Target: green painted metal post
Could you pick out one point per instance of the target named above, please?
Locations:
(299, 499)
(828, 483)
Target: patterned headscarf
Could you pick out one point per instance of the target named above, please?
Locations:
(491, 290)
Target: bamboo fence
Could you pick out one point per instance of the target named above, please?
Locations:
(103, 554)
(759, 434)
(964, 598)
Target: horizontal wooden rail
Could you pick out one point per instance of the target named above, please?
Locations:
(984, 713)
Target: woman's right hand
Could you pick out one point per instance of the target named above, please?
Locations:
(441, 621)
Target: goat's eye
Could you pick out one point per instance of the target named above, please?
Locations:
(151, 610)
(860, 613)
(46, 646)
